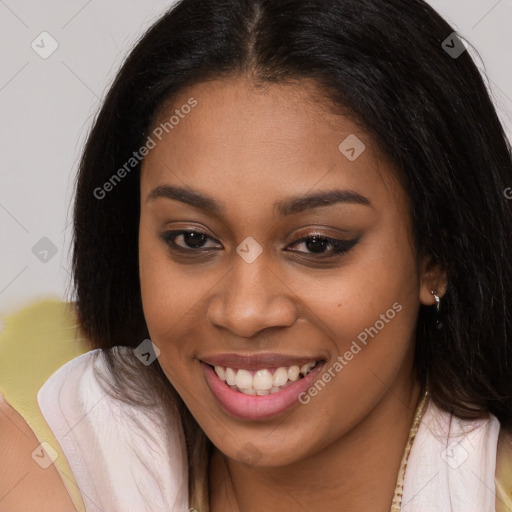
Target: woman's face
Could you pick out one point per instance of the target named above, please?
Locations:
(248, 287)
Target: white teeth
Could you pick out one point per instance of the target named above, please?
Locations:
(230, 376)
(263, 382)
(293, 373)
(250, 391)
(220, 372)
(280, 377)
(243, 379)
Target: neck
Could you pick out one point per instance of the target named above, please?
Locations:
(356, 472)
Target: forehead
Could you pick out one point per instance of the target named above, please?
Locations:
(248, 142)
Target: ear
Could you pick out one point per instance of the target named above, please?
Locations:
(432, 278)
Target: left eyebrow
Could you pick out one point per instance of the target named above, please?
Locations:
(290, 206)
(325, 198)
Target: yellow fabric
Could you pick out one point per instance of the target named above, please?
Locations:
(34, 343)
(42, 337)
(504, 472)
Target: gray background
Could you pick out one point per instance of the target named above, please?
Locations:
(47, 107)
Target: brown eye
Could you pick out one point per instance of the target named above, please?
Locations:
(318, 244)
(190, 239)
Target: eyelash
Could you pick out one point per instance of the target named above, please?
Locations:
(340, 247)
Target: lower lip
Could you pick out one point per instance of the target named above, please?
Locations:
(251, 407)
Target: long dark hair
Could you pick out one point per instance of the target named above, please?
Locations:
(428, 110)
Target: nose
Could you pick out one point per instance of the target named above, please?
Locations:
(251, 298)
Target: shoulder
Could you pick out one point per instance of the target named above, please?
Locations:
(28, 479)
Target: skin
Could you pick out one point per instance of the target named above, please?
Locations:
(24, 485)
(248, 147)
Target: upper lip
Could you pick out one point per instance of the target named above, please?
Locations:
(258, 361)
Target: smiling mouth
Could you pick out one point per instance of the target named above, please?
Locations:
(265, 381)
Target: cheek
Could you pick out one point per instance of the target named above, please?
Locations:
(375, 297)
(164, 295)
(368, 314)
(172, 301)
(163, 307)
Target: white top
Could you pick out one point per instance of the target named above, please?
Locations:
(125, 460)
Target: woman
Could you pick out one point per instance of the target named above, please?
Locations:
(291, 257)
